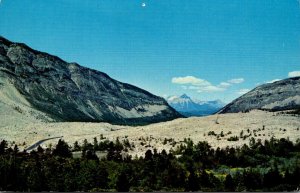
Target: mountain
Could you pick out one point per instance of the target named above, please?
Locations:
(280, 95)
(69, 92)
(189, 107)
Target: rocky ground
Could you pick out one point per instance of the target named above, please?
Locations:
(216, 129)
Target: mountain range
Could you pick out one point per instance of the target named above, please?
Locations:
(69, 92)
(192, 107)
(34, 83)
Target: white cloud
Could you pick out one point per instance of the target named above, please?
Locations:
(190, 80)
(202, 85)
(199, 85)
(236, 80)
(243, 91)
(193, 87)
(211, 88)
(294, 74)
(224, 84)
(271, 81)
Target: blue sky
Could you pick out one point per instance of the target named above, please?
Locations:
(207, 49)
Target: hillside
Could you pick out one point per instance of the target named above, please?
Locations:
(258, 124)
(34, 81)
(277, 96)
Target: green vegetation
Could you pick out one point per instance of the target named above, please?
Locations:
(233, 138)
(272, 165)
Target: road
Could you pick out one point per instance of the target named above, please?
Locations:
(35, 145)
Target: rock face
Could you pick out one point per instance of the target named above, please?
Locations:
(70, 92)
(190, 107)
(280, 95)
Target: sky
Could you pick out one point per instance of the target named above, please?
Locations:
(207, 49)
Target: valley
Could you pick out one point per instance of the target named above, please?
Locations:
(215, 129)
(43, 97)
(149, 96)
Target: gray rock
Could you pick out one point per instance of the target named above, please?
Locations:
(70, 92)
(277, 96)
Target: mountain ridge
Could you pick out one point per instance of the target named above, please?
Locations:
(191, 107)
(276, 96)
(70, 92)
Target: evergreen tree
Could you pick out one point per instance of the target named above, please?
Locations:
(76, 146)
(91, 155)
(95, 144)
(3, 146)
(122, 183)
(40, 150)
(192, 183)
(148, 155)
(272, 178)
(62, 149)
(229, 183)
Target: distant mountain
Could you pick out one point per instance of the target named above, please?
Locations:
(280, 95)
(189, 107)
(69, 92)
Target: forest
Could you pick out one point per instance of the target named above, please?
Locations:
(270, 165)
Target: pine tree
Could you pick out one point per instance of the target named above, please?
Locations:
(229, 183)
(62, 149)
(122, 183)
(3, 146)
(76, 146)
(95, 145)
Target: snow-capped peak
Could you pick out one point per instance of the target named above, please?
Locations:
(184, 96)
(190, 107)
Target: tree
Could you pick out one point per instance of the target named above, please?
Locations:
(92, 175)
(76, 146)
(3, 146)
(272, 178)
(229, 183)
(205, 179)
(118, 145)
(62, 149)
(16, 149)
(91, 155)
(252, 179)
(122, 183)
(40, 150)
(148, 155)
(192, 183)
(95, 145)
(86, 145)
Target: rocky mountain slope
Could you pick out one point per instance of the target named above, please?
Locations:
(69, 92)
(190, 107)
(280, 95)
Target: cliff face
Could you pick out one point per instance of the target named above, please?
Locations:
(280, 95)
(70, 92)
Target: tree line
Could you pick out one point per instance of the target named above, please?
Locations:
(272, 165)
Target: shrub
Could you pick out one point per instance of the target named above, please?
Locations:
(211, 133)
(233, 138)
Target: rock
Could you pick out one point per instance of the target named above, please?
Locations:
(70, 92)
(277, 96)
